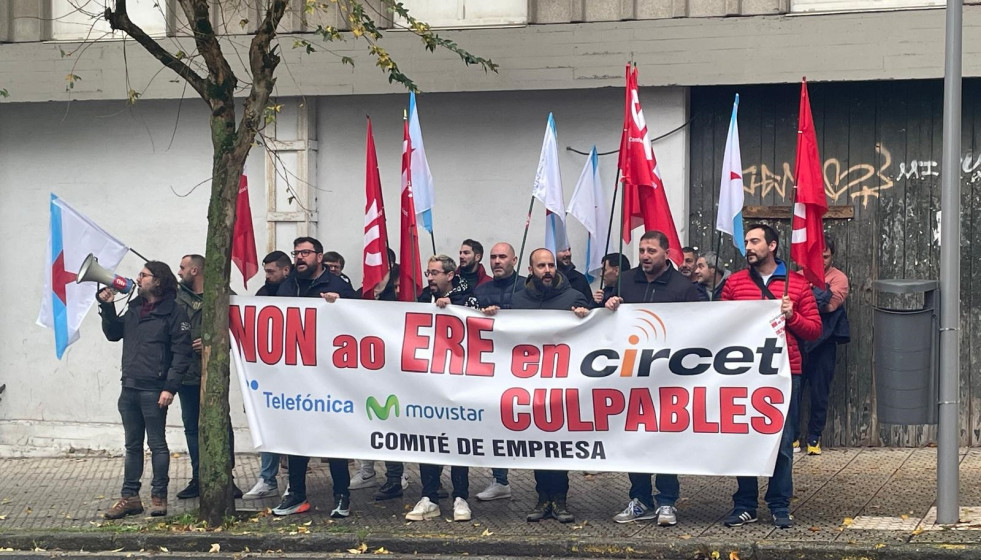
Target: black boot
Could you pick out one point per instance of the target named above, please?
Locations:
(391, 489)
(193, 490)
(542, 510)
(560, 511)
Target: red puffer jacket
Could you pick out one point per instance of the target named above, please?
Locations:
(805, 323)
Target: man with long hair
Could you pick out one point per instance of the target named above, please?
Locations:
(156, 335)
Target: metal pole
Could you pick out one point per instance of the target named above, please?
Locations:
(948, 483)
(524, 239)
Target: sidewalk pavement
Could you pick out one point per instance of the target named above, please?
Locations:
(861, 502)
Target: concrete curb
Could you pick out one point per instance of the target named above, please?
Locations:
(319, 544)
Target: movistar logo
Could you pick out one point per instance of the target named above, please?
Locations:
(382, 412)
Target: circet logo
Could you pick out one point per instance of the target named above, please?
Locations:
(382, 412)
(650, 319)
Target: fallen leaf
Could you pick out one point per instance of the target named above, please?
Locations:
(715, 555)
(381, 550)
(215, 548)
(3, 517)
(164, 549)
(308, 523)
(733, 555)
(363, 547)
(685, 537)
(917, 531)
(847, 521)
(486, 533)
(880, 545)
(814, 529)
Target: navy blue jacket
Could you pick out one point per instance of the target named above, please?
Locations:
(498, 291)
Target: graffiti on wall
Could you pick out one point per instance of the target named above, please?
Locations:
(861, 181)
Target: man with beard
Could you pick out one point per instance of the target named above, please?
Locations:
(576, 279)
(689, 256)
(445, 288)
(492, 296)
(613, 265)
(471, 271)
(277, 267)
(311, 279)
(765, 279)
(156, 352)
(654, 281)
(547, 288)
(710, 275)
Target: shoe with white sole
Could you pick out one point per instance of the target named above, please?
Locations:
(363, 479)
(461, 510)
(262, 489)
(495, 491)
(424, 510)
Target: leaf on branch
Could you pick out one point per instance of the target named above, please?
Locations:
(133, 96)
(71, 79)
(4, 92)
(347, 60)
(180, 55)
(310, 7)
(243, 23)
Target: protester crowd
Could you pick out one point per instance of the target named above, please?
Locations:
(161, 334)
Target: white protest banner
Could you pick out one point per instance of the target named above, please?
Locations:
(688, 388)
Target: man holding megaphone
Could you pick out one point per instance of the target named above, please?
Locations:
(156, 353)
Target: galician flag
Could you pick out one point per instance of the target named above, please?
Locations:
(588, 205)
(423, 193)
(730, 216)
(64, 302)
(548, 189)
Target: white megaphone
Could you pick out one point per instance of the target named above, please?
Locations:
(92, 271)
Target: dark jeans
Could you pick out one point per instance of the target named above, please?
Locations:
(668, 489)
(393, 471)
(819, 369)
(143, 417)
(339, 475)
(459, 476)
(190, 396)
(501, 476)
(551, 484)
(781, 487)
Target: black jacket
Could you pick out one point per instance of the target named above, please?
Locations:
(269, 289)
(326, 282)
(193, 306)
(577, 280)
(459, 294)
(834, 324)
(559, 296)
(156, 348)
(498, 291)
(670, 286)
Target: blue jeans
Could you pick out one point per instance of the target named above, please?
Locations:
(819, 369)
(269, 468)
(142, 416)
(781, 488)
(668, 489)
(190, 396)
(551, 485)
(501, 476)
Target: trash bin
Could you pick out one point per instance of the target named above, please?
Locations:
(905, 345)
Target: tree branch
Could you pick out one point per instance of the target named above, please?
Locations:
(220, 74)
(263, 62)
(119, 20)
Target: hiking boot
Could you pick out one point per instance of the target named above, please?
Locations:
(783, 520)
(814, 447)
(262, 489)
(543, 509)
(127, 505)
(291, 504)
(635, 511)
(561, 512)
(495, 491)
(424, 510)
(391, 489)
(667, 516)
(343, 507)
(158, 506)
(461, 510)
(192, 490)
(739, 517)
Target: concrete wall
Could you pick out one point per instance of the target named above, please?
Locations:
(117, 164)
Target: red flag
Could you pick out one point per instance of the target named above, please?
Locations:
(810, 204)
(375, 233)
(645, 202)
(410, 272)
(243, 236)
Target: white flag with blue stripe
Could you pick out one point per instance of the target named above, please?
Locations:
(588, 205)
(423, 193)
(548, 189)
(730, 216)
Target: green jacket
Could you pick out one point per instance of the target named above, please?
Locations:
(193, 305)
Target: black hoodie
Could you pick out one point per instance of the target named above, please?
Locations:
(560, 295)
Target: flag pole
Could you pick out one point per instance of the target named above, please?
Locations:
(609, 230)
(432, 237)
(137, 253)
(623, 197)
(793, 203)
(524, 239)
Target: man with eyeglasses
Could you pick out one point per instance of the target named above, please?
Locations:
(156, 335)
(334, 262)
(311, 279)
(445, 288)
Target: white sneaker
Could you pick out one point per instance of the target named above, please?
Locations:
(461, 510)
(495, 491)
(424, 510)
(363, 479)
(262, 489)
(405, 482)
